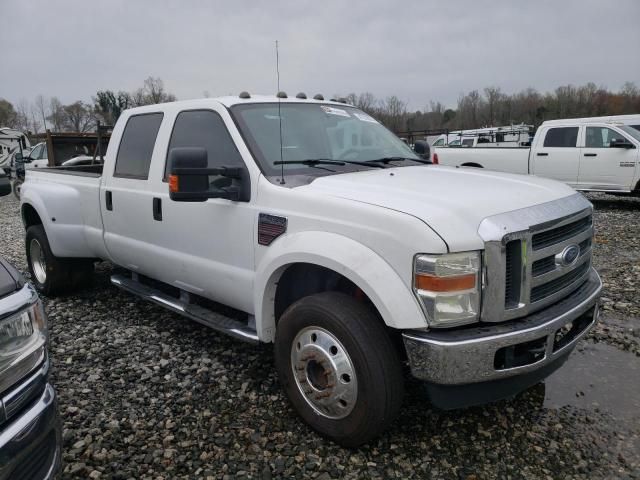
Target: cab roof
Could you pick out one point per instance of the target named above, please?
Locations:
(231, 100)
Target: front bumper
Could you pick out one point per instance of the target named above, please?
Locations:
(485, 363)
(30, 442)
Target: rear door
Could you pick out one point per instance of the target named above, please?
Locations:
(603, 167)
(126, 199)
(556, 154)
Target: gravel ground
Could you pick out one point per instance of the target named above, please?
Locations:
(146, 394)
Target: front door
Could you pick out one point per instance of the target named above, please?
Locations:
(557, 156)
(207, 246)
(603, 167)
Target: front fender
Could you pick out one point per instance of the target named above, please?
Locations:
(394, 301)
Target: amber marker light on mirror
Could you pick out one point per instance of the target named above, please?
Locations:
(173, 183)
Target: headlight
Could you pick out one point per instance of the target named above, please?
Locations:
(23, 340)
(448, 286)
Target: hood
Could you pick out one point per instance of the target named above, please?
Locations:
(452, 201)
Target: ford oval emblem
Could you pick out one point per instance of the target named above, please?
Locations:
(568, 256)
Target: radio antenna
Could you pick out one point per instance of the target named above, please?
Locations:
(279, 114)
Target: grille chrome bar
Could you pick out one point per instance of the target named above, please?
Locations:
(558, 247)
(545, 221)
(558, 272)
(560, 233)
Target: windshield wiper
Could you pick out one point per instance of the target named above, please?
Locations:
(386, 160)
(312, 162)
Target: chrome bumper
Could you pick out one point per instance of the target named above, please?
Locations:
(497, 352)
(30, 443)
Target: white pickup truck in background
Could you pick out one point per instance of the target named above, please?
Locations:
(588, 154)
(330, 238)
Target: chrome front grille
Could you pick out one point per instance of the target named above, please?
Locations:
(524, 269)
(558, 234)
(559, 283)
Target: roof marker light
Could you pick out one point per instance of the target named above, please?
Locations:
(244, 95)
(318, 96)
(281, 95)
(301, 95)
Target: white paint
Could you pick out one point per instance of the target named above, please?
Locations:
(367, 226)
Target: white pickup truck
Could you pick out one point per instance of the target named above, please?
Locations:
(588, 154)
(333, 240)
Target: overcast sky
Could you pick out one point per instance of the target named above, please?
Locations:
(417, 50)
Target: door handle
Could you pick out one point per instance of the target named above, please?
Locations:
(542, 154)
(108, 200)
(157, 209)
(590, 154)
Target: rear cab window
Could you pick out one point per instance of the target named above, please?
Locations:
(566, 137)
(136, 146)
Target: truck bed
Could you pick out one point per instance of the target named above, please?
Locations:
(69, 201)
(80, 170)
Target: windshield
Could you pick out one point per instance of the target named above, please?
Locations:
(315, 132)
(631, 131)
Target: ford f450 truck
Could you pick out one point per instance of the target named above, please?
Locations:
(331, 239)
(588, 154)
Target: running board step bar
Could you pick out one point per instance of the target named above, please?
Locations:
(192, 311)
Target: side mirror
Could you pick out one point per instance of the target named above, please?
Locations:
(18, 157)
(620, 143)
(5, 186)
(422, 149)
(189, 178)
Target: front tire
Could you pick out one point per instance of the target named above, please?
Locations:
(52, 275)
(339, 368)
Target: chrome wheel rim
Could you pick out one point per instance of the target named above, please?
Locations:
(38, 263)
(324, 373)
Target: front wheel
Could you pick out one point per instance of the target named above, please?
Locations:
(339, 367)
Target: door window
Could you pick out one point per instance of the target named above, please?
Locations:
(561, 137)
(136, 146)
(206, 129)
(601, 137)
(35, 153)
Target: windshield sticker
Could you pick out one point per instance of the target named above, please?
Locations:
(335, 111)
(365, 118)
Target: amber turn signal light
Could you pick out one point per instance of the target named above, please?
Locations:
(445, 284)
(173, 183)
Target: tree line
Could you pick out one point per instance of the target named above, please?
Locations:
(80, 116)
(492, 107)
(475, 109)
